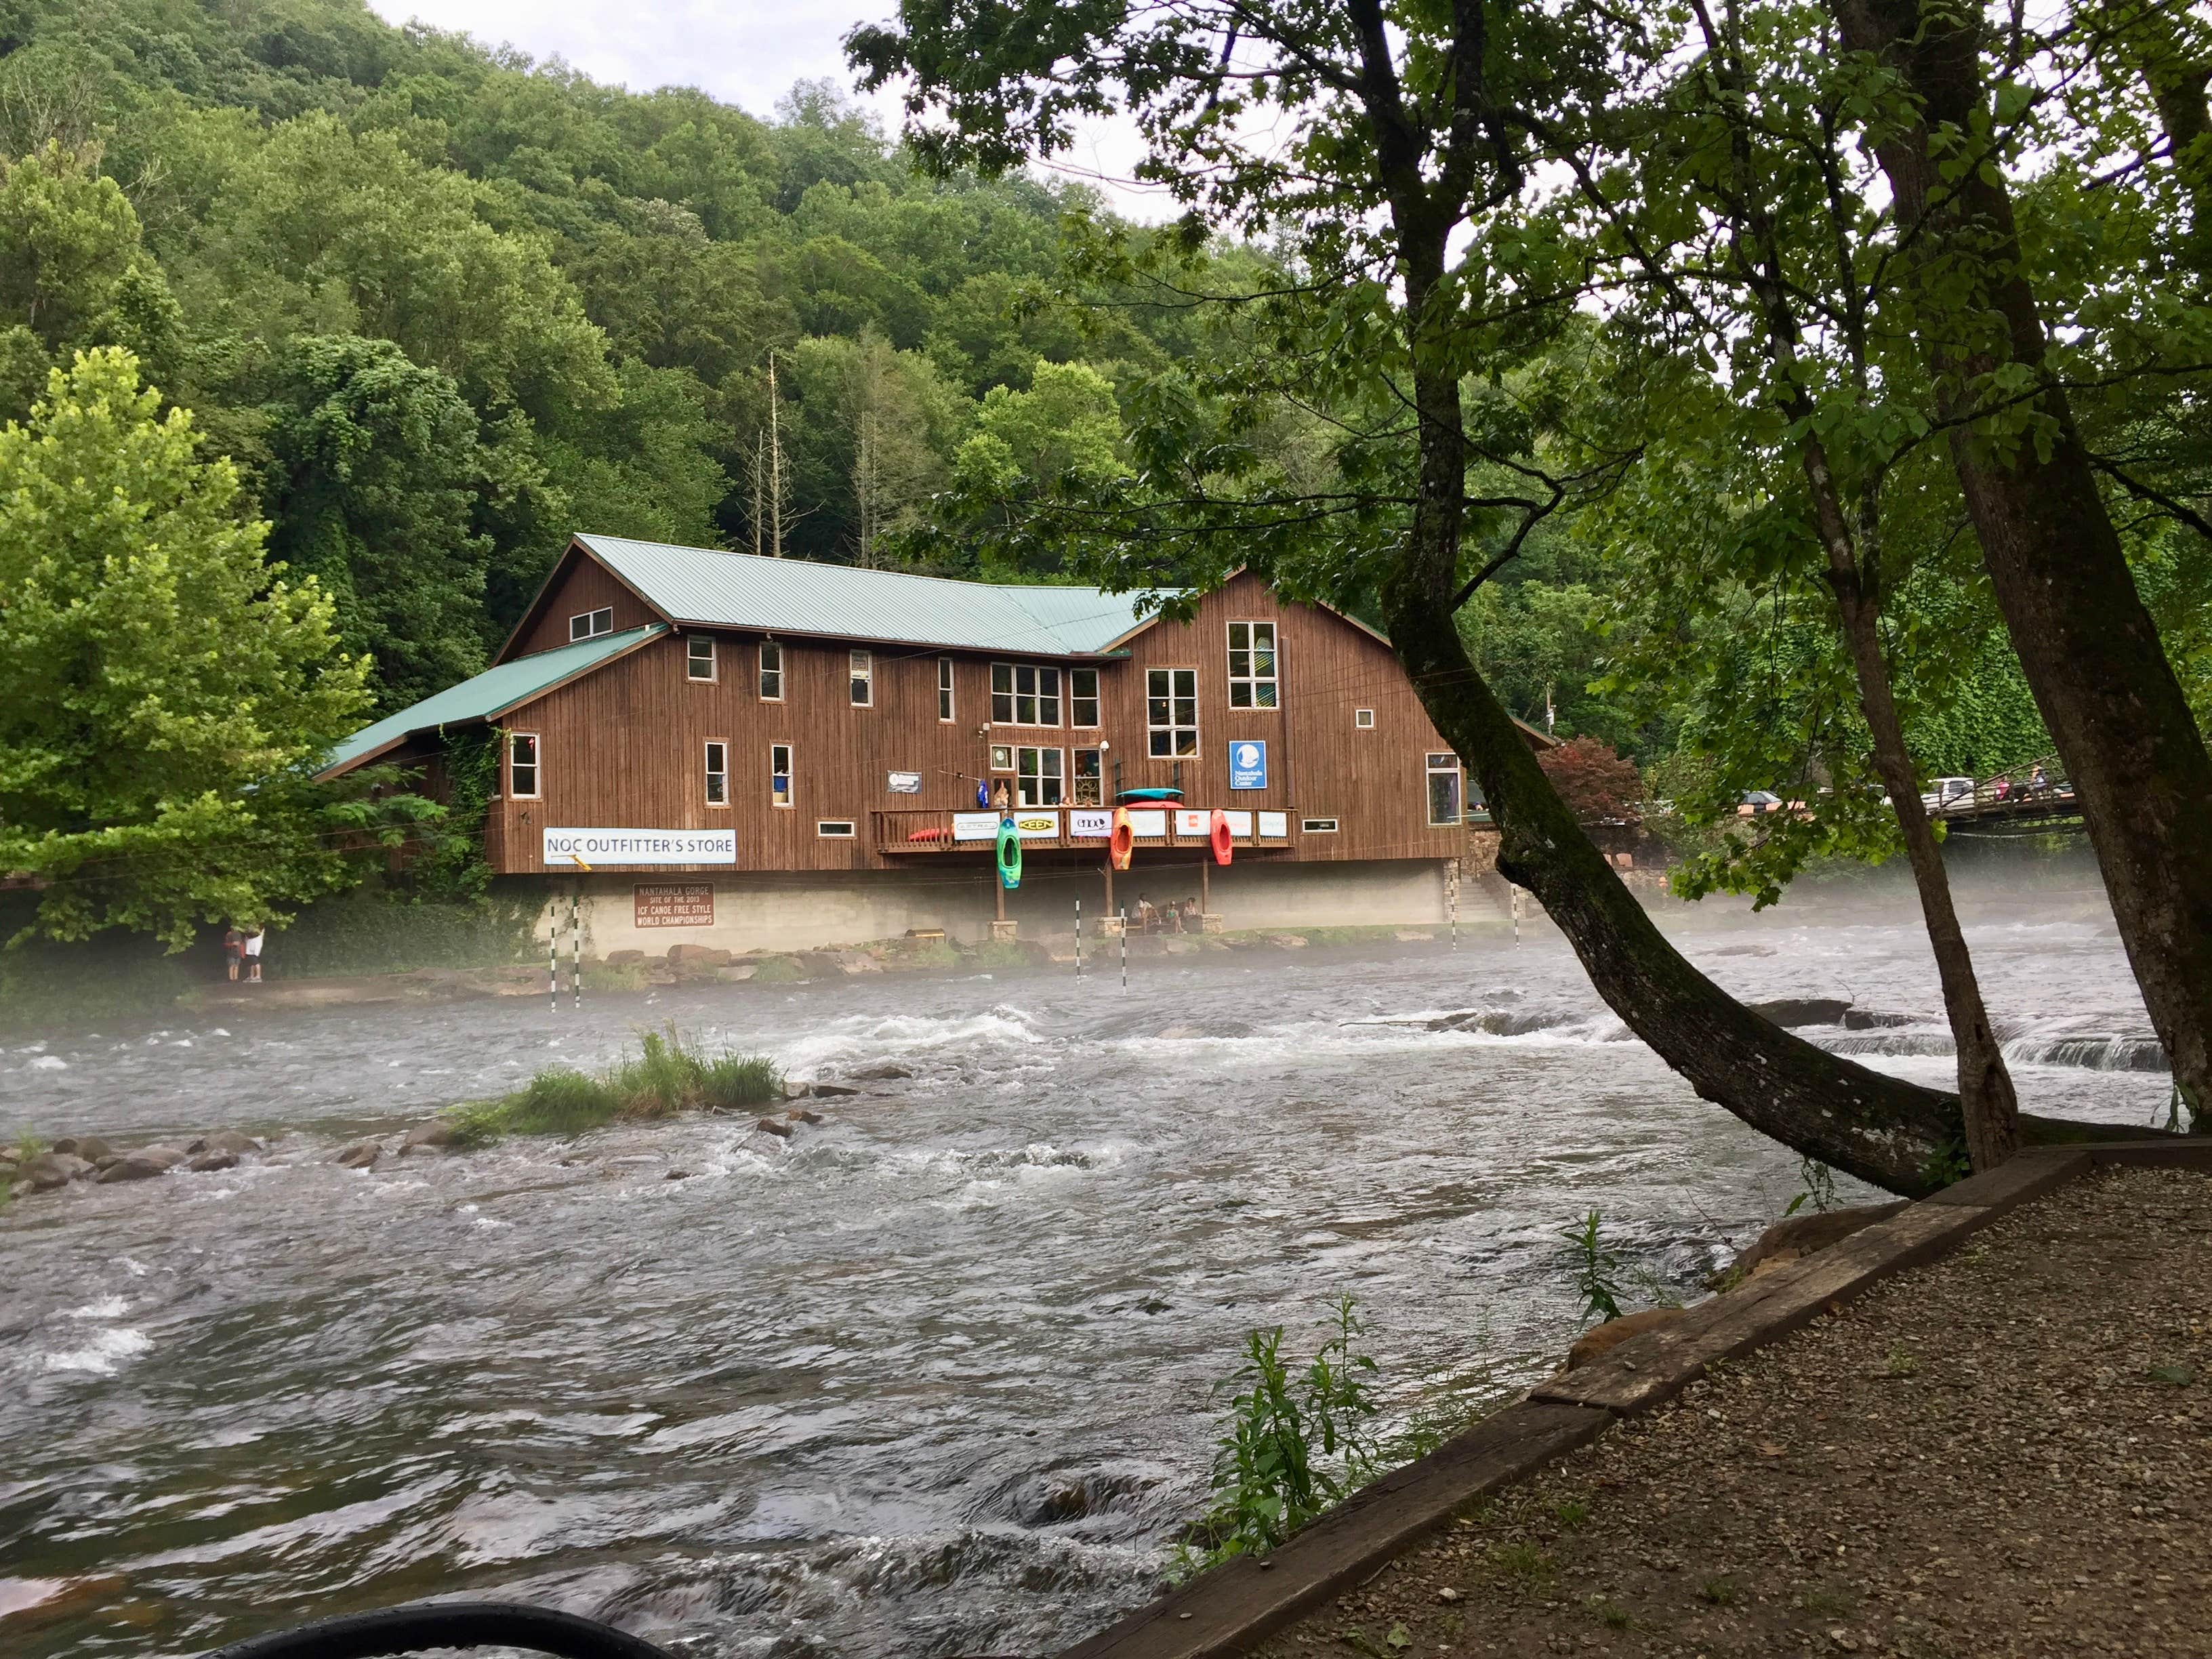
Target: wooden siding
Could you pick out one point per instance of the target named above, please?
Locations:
(579, 583)
(624, 747)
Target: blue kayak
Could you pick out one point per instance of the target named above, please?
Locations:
(1149, 794)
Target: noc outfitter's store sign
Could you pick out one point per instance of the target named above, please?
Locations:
(672, 904)
(598, 848)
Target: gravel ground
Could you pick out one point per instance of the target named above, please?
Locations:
(2004, 1453)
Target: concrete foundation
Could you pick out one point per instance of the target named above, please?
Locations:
(764, 912)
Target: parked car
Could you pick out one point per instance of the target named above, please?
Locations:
(1948, 792)
(1756, 801)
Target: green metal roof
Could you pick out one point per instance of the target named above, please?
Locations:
(492, 692)
(835, 601)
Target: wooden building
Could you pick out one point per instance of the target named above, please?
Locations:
(777, 734)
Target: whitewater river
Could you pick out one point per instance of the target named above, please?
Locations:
(934, 1378)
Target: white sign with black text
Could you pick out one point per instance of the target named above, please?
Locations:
(570, 848)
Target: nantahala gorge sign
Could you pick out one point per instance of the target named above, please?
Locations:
(600, 847)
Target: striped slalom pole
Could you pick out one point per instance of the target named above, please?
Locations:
(553, 958)
(1125, 950)
(576, 949)
(1079, 936)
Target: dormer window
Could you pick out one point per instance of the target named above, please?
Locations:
(589, 624)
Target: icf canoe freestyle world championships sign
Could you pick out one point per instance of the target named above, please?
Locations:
(598, 848)
(672, 904)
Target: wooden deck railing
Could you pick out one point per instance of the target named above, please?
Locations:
(932, 830)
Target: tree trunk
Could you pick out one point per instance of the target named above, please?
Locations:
(2087, 645)
(1989, 1107)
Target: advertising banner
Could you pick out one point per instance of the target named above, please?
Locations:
(904, 783)
(1192, 821)
(1151, 821)
(1085, 823)
(1247, 765)
(1240, 824)
(597, 847)
(974, 826)
(1274, 824)
(672, 904)
(1034, 824)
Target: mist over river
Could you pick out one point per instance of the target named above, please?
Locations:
(932, 1378)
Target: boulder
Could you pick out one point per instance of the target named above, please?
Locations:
(736, 973)
(90, 1148)
(1604, 1338)
(1287, 941)
(51, 1169)
(800, 1115)
(1870, 1019)
(361, 1155)
(775, 1125)
(831, 1089)
(428, 1137)
(232, 1141)
(882, 1074)
(624, 958)
(678, 1175)
(797, 1090)
(698, 956)
(1791, 1011)
(141, 1165)
(212, 1159)
(1801, 1234)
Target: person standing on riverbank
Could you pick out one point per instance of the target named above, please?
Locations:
(233, 948)
(252, 952)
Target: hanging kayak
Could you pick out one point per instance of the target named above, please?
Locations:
(1010, 855)
(1149, 794)
(1122, 845)
(1218, 834)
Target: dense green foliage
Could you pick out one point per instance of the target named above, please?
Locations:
(667, 1075)
(441, 308)
(163, 691)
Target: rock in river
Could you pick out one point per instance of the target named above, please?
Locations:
(212, 1159)
(51, 1169)
(773, 1125)
(428, 1137)
(361, 1155)
(1792, 1011)
(143, 1164)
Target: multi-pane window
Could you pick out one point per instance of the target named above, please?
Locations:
(1171, 711)
(589, 624)
(779, 774)
(1022, 693)
(522, 765)
(945, 688)
(771, 672)
(1090, 781)
(1082, 696)
(1252, 665)
(862, 678)
(1444, 789)
(1038, 778)
(699, 657)
(718, 775)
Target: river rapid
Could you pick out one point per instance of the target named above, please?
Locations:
(935, 1376)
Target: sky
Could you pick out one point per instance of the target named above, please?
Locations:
(745, 53)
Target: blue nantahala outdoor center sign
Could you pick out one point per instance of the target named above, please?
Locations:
(1247, 766)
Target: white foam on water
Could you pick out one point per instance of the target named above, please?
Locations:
(872, 1035)
(100, 1356)
(49, 1063)
(106, 1307)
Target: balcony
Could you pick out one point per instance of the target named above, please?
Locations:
(906, 830)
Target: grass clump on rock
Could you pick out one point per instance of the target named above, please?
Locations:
(667, 1075)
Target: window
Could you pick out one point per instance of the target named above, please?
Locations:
(1090, 778)
(1252, 665)
(771, 672)
(1022, 693)
(1171, 711)
(522, 765)
(1002, 757)
(945, 688)
(1364, 719)
(1444, 789)
(699, 657)
(1319, 826)
(589, 624)
(863, 677)
(1082, 696)
(779, 774)
(718, 775)
(834, 828)
(1038, 779)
